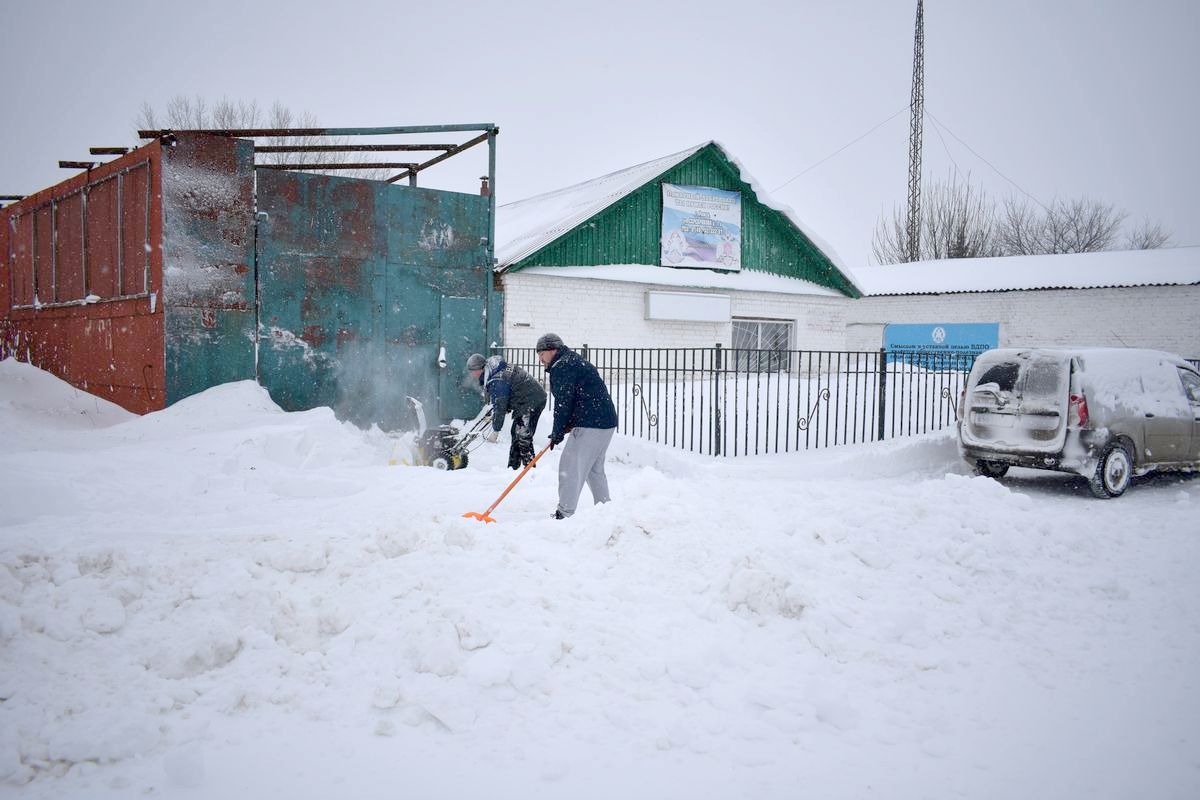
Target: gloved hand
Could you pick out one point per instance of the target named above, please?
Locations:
(555, 440)
(492, 437)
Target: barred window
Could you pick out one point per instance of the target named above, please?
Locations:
(761, 345)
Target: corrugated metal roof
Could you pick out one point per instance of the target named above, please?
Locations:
(528, 225)
(1174, 266)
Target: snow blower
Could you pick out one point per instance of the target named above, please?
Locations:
(445, 447)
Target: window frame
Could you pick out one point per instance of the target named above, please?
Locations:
(760, 358)
(139, 227)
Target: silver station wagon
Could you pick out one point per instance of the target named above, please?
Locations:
(1105, 414)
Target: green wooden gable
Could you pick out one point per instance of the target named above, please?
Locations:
(629, 230)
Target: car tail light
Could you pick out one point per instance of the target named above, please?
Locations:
(962, 401)
(1077, 413)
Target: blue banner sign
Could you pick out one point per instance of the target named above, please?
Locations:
(902, 342)
(701, 227)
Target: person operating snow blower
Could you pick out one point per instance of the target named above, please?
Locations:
(510, 389)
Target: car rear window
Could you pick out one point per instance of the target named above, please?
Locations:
(1045, 379)
(1004, 375)
(1032, 376)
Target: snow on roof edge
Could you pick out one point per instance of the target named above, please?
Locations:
(564, 189)
(765, 198)
(564, 225)
(1110, 269)
(1046, 288)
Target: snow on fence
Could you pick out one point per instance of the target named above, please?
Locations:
(733, 402)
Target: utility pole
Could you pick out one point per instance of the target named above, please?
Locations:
(917, 104)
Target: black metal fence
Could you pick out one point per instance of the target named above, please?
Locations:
(732, 402)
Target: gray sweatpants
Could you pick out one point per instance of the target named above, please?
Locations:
(583, 461)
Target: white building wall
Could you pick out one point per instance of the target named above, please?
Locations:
(604, 313)
(1159, 317)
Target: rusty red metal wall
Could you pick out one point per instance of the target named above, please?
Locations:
(81, 280)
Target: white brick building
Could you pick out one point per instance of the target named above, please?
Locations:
(1140, 298)
(612, 312)
(608, 312)
(584, 262)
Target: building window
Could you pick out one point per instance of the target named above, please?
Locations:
(761, 345)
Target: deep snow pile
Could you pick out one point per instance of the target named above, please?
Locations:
(225, 600)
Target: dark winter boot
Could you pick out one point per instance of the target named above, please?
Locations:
(522, 439)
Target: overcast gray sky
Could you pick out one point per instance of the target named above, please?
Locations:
(1065, 98)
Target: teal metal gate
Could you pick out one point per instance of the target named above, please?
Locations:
(369, 293)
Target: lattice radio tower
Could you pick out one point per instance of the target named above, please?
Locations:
(914, 136)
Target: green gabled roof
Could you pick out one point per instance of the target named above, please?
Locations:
(617, 219)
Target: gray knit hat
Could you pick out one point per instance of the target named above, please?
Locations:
(475, 361)
(549, 341)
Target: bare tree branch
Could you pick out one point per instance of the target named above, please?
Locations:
(1147, 236)
(889, 245)
(960, 222)
(957, 221)
(1065, 226)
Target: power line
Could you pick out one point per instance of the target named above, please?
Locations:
(839, 150)
(949, 155)
(984, 160)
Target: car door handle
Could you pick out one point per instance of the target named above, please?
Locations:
(1149, 415)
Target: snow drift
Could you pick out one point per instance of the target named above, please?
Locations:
(226, 600)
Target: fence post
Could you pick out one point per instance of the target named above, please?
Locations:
(716, 398)
(584, 352)
(882, 391)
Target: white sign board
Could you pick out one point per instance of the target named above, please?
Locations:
(688, 306)
(701, 227)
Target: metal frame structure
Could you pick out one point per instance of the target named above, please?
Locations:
(917, 103)
(410, 170)
(488, 134)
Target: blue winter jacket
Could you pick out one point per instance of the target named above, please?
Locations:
(581, 399)
(510, 389)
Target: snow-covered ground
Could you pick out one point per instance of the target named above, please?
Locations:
(223, 600)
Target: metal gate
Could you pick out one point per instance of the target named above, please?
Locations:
(368, 293)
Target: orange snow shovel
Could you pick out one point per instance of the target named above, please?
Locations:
(486, 516)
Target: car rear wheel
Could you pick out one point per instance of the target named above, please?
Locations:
(1114, 471)
(991, 469)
